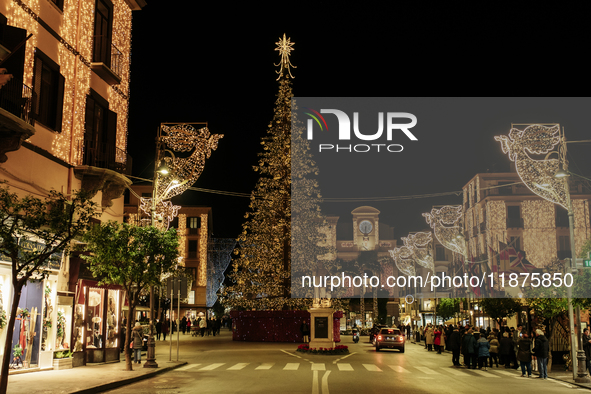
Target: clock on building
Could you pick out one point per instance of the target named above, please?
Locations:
(365, 227)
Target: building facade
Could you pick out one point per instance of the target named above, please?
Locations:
(64, 105)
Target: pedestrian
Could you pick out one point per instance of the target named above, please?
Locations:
(587, 347)
(505, 350)
(165, 328)
(437, 340)
(137, 335)
(202, 326)
(158, 328)
(454, 343)
(541, 351)
(483, 351)
(183, 325)
(189, 326)
(516, 336)
(429, 338)
(305, 330)
(524, 354)
(494, 349)
(469, 349)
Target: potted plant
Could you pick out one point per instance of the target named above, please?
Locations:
(62, 360)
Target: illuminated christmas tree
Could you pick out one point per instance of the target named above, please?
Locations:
(263, 270)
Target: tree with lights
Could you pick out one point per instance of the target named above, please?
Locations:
(33, 232)
(133, 257)
(262, 272)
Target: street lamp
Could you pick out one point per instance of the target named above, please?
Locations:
(178, 173)
(548, 178)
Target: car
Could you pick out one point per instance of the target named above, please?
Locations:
(390, 338)
(374, 331)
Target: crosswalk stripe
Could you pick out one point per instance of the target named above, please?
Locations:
(455, 372)
(427, 371)
(186, 367)
(485, 374)
(291, 367)
(345, 367)
(211, 367)
(265, 366)
(506, 373)
(318, 367)
(238, 366)
(372, 367)
(398, 368)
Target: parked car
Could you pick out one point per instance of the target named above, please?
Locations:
(390, 338)
(374, 331)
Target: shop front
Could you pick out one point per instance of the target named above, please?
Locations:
(96, 323)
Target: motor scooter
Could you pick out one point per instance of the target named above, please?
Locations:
(355, 335)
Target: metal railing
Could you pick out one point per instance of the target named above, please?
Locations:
(100, 54)
(116, 61)
(104, 156)
(17, 99)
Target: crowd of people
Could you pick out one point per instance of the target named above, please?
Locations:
(199, 326)
(484, 348)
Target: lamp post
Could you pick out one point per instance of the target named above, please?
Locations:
(579, 373)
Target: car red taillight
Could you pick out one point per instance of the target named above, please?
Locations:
(401, 339)
(379, 337)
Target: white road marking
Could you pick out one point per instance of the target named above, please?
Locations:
(485, 374)
(265, 366)
(238, 366)
(398, 368)
(345, 367)
(325, 383)
(455, 372)
(211, 367)
(427, 371)
(315, 382)
(318, 367)
(186, 367)
(291, 367)
(372, 367)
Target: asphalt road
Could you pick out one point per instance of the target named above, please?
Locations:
(219, 365)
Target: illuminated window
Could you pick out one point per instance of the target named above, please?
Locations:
(103, 25)
(194, 224)
(100, 133)
(48, 87)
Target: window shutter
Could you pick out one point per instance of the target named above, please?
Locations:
(59, 111)
(37, 71)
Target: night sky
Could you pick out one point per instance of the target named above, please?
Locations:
(215, 63)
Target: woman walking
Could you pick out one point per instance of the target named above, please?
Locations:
(437, 340)
(494, 349)
(524, 355)
(483, 352)
(137, 333)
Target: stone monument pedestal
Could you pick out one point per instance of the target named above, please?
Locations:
(321, 328)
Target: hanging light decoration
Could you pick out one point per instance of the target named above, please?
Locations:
(446, 223)
(404, 259)
(420, 244)
(537, 175)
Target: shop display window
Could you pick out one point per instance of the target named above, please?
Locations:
(113, 318)
(64, 323)
(94, 318)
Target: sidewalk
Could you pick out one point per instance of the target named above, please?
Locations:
(557, 372)
(97, 377)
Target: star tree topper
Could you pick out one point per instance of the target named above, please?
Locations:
(284, 46)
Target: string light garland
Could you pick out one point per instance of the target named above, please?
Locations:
(539, 231)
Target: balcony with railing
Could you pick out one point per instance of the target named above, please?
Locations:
(104, 156)
(108, 66)
(16, 116)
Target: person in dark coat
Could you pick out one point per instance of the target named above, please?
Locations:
(505, 349)
(137, 333)
(158, 328)
(305, 330)
(524, 348)
(165, 328)
(587, 347)
(541, 351)
(454, 345)
(469, 350)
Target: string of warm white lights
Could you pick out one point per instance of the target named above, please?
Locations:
(421, 244)
(404, 260)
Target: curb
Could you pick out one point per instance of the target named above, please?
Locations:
(113, 385)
